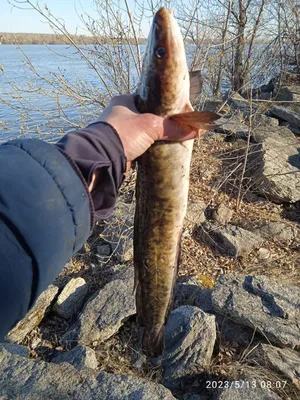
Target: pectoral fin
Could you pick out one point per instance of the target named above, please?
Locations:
(196, 119)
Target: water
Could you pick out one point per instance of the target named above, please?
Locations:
(29, 100)
(46, 91)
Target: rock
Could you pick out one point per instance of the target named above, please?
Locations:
(104, 250)
(212, 105)
(234, 333)
(263, 133)
(262, 120)
(245, 388)
(233, 125)
(71, 299)
(290, 113)
(104, 313)
(284, 361)
(274, 310)
(190, 396)
(289, 93)
(278, 231)
(14, 349)
(192, 295)
(222, 214)
(295, 129)
(237, 102)
(80, 357)
(190, 339)
(273, 165)
(189, 280)
(118, 232)
(263, 253)
(27, 379)
(34, 316)
(195, 212)
(230, 240)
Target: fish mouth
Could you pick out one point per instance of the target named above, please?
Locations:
(162, 17)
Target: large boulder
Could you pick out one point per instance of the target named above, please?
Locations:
(25, 379)
(34, 316)
(283, 361)
(289, 113)
(274, 165)
(230, 239)
(104, 313)
(190, 338)
(268, 306)
(80, 357)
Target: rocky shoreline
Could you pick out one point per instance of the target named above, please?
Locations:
(234, 332)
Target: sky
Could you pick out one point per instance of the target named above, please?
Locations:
(29, 21)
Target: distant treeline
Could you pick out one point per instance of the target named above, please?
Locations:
(45, 38)
(48, 38)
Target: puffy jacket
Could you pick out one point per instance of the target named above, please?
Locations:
(46, 212)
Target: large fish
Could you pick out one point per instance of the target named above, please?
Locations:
(162, 178)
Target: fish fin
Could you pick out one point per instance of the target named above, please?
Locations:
(196, 119)
(153, 343)
(196, 84)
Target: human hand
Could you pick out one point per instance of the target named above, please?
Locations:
(139, 131)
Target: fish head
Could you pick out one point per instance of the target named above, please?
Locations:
(164, 83)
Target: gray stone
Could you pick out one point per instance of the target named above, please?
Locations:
(15, 349)
(104, 313)
(80, 357)
(230, 239)
(192, 295)
(234, 333)
(212, 105)
(222, 214)
(189, 280)
(104, 250)
(233, 125)
(284, 361)
(289, 93)
(295, 129)
(274, 165)
(27, 379)
(238, 102)
(262, 120)
(278, 231)
(263, 253)
(245, 388)
(190, 339)
(195, 212)
(190, 396)
(266, 305)
(34, 316)
(290, 114)
(71, 299)
(118, 232)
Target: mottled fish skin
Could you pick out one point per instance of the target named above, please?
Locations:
(162, 181)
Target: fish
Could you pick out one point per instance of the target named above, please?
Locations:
(162, 177)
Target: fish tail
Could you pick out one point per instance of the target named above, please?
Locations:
(153, 341)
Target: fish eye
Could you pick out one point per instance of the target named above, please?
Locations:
(160, 52)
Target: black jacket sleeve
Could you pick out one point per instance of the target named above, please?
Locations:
(46, 212)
